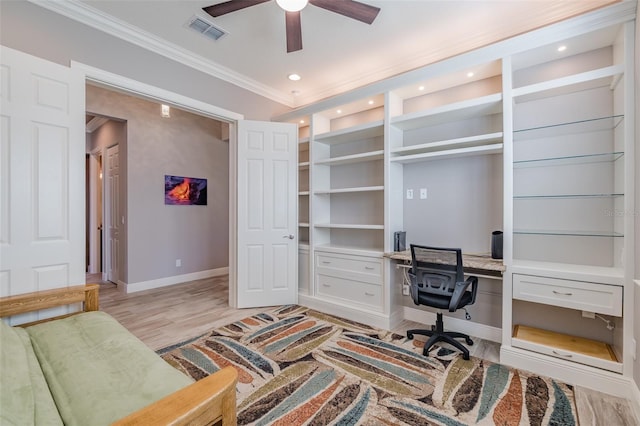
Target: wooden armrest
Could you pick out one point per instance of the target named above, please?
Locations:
(30, 302)
(204, 402)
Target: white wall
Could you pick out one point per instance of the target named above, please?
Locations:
(186, 144)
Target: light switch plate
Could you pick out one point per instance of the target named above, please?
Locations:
(409, 194)
(423, 193)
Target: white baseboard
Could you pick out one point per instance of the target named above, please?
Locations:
(570, 372)
(471, 328)
(167, 281)
(635, 401)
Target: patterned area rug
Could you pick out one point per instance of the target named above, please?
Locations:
(300, 367)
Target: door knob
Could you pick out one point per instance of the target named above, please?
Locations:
(290, 236)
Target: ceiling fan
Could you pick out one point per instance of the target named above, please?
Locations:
(349, 8)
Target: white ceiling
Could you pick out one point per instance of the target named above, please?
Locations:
(339, 54)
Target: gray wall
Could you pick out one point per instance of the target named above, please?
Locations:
(463, 205)
(636, 327)
(185, 145)
(39, 32)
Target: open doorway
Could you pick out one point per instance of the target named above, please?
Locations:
(103, 137)
(146, 242)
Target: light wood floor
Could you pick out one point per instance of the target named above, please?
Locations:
(170, 315)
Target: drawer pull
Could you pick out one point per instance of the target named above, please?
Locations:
(370, 268)
(326, 262)
(326, 285)
(564, 355)
(562, 294)
(366, 293)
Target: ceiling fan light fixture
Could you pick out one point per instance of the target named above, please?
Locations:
(292, 5)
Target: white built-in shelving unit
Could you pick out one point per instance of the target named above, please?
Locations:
(572, 181)
(516, 136)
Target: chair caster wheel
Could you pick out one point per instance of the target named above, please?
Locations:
(469, 341)
(409, 335)
(465, 357)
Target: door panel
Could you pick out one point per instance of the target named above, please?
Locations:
(267, 214)
(42, 242)
(112, 204)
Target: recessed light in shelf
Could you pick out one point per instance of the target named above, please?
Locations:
(371, 102)
(421, 88)
(339, 111)
(470, 74)
(301, 121)
(562, 48)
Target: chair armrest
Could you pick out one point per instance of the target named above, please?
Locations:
(204, 402)
(459, 290)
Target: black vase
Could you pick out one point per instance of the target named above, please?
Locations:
(496, 245)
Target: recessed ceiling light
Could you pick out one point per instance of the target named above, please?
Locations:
(421, 88)
(293, 77)
(301, 121)
(371, 102)
(562, 48)
(470, 74)
(339, 111)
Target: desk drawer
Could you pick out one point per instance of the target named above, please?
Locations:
(359, 268)
(581, 295)
(567, 347)
(352, 292)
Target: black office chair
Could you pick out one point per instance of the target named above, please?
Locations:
(437, 280)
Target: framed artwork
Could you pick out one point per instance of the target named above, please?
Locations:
(185, 191)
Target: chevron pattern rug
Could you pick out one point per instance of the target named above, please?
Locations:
(297, 366)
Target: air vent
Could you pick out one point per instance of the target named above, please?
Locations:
(206, 28)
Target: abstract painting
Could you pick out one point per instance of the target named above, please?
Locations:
(180, 190)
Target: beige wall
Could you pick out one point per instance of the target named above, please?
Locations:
(186, 144)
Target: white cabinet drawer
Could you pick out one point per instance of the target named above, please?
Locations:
(352, 292)
(360, 268)
(593, 297)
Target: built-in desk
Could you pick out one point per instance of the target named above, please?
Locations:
(476, 264)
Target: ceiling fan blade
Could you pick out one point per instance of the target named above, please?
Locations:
(294, 31)
(230, 6)
(349, 8)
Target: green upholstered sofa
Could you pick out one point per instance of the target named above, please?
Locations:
(87, 369)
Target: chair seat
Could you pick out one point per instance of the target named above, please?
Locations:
(442, 302)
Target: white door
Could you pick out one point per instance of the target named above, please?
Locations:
(267, 221)
(113, 215)
(42, 162)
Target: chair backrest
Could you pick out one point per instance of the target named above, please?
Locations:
(436, 269)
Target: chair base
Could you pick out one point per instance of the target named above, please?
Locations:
(437, 334)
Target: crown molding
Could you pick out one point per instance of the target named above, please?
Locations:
(560, 27)
(614, 14)
(94, 18)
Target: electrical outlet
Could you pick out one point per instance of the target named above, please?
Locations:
(423, 193)
(405, 290)
(178, 263)
(409, 194)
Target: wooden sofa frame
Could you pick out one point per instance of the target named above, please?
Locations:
(206, 402)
